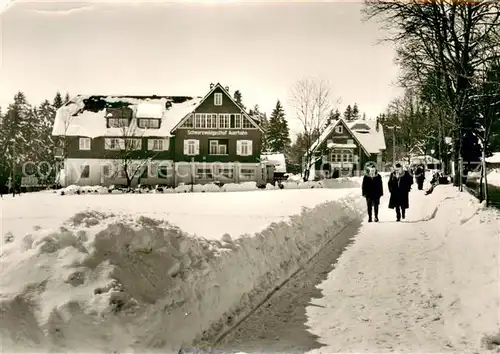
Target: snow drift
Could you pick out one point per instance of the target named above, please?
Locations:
(106, 282)
(210, 187)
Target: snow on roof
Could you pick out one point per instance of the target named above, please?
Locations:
(276, 159)
(494, 159)
(74, 119)
(150, 110)
(373, 140)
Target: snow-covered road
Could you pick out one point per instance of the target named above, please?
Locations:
(428, 284)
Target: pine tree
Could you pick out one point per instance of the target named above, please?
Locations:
(264, 124)
(66, 98)
(278, 134)
(355, 112)
(348, 113)
(332, 117)
(58, 100)
(19, 129)
(238, 99)
(46, 115)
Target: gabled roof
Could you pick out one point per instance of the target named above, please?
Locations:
(218, 85)
(85, 115)
(326, 133)
(372, 140)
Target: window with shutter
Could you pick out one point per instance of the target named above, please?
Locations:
(245, 147)
(191, 147)
(196, 147)
(238, 147)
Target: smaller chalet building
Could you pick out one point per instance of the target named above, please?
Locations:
(164, 140)
(346, 147)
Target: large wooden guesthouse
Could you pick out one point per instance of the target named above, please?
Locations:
(164, 140)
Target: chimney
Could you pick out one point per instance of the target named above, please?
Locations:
(211, 85)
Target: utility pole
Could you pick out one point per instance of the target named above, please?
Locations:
(394, 127)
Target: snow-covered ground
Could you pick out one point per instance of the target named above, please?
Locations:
(125, 272)
(428, 284)
(209, 215)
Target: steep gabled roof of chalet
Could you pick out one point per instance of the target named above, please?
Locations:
(366, 132)
(85, 115)
(226, 92)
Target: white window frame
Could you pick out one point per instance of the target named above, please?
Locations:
(118, 122)
(350, 141)
(205, 121)
(133, 144)
(339, 129)
(85, 143)
(246, 123)
(189, 123)
(226, 118)
(342, 156)
(191, 147)
(218, 99)
(147, 123)
(212, 118)
(245, 149)
(237, 121)
(113, 144)
(220, 149)
(213, 144)
(157, 144)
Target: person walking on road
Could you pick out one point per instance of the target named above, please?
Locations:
(372, 190)
(420, 177)
(400, 182)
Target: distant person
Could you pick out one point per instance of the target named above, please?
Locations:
(420, 176)
(372, 190)
(400, 182)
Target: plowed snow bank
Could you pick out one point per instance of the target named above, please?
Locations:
(106, 282)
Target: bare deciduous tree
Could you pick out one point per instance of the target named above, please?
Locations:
(131, 159)
(311, 100)
(446, 39)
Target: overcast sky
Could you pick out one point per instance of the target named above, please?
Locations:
(161, 48)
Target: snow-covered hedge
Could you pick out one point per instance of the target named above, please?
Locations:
(185, 188)
(113, 283)
(494, 177)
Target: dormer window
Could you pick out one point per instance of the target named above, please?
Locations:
(148, 123)
(118, 122)
(118, 117)
(218, 99)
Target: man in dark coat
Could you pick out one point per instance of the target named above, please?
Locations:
(420, 176)
(400, 182)
(372, 190)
